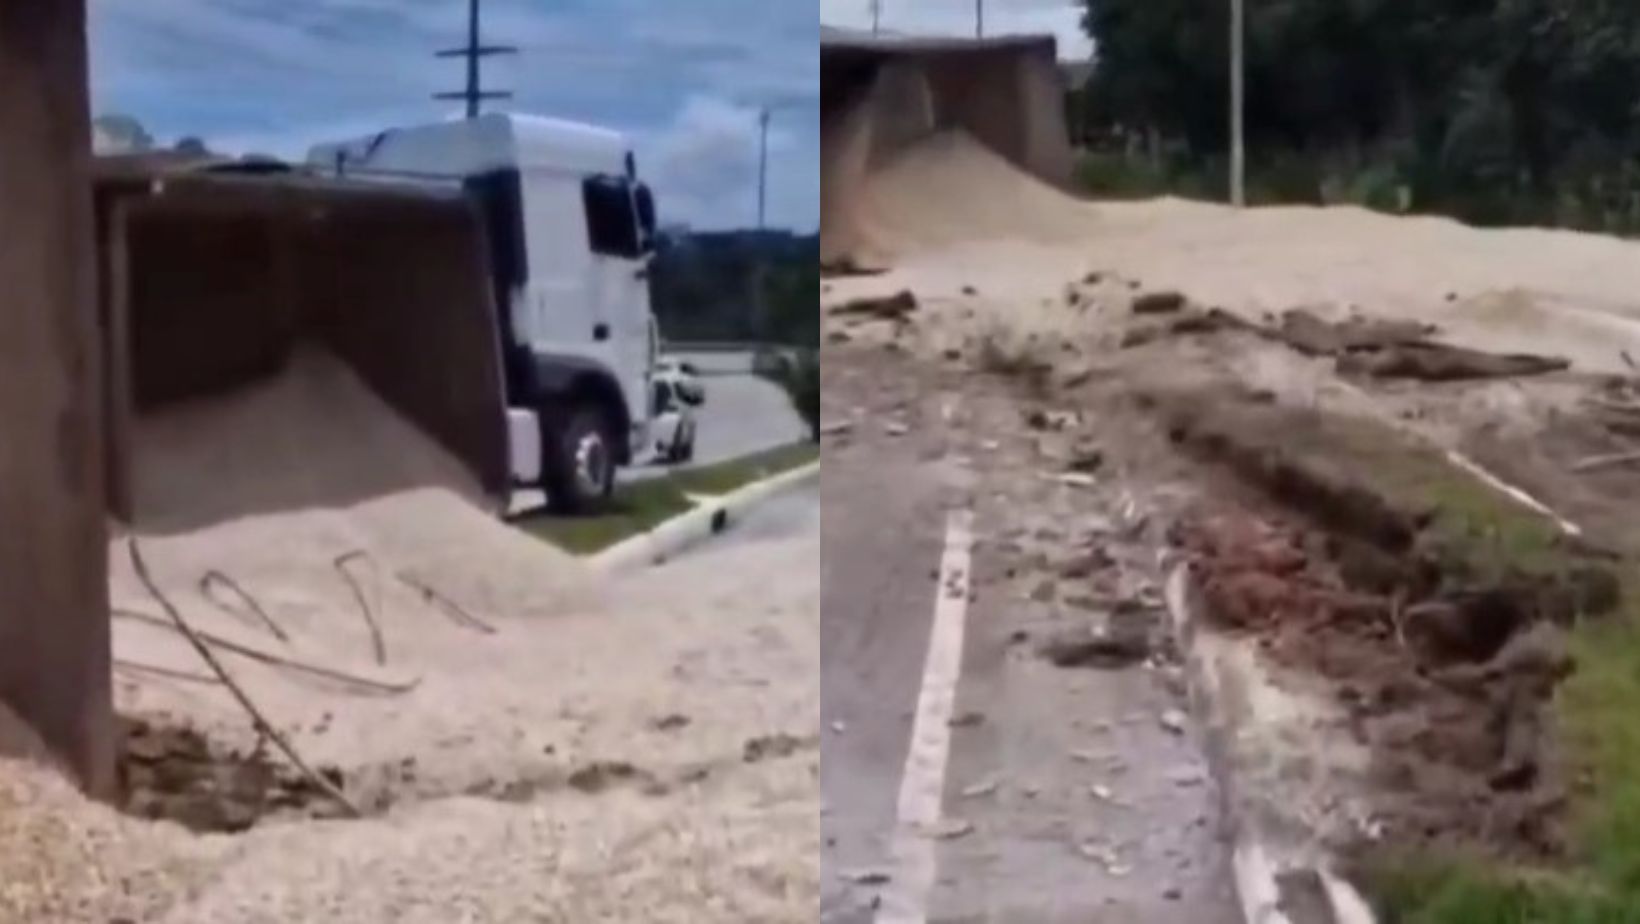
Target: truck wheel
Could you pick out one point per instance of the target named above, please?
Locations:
(578, 461)
(686, 446)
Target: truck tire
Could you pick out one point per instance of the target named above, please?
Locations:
(686, 445)
(578, 458)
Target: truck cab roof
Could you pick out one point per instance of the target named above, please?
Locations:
(494, 141)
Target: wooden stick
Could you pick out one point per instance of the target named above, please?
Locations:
(174, 674)
(447, 606)
(1606, 461)
(377, 643)
(214, 577)
(266, 657)
(263, 726)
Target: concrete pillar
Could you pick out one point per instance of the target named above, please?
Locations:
(54, 636)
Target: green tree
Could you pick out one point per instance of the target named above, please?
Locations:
(1496, 110)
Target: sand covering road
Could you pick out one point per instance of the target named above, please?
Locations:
(633, 752)
(1564, 294)
(948, 214)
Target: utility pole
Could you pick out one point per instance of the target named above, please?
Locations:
(475, 94)
(876, 16)
(1238, 104)
(979, 18)
(763, 169)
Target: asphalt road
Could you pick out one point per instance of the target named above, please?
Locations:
(743, 414)
(789, 515)
(1063, 794)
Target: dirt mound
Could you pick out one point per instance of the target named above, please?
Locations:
(1452, 702)
(1366, 561)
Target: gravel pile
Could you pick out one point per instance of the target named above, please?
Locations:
(592, 759)
(72, 861)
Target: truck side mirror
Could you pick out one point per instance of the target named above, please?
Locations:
(645, 201)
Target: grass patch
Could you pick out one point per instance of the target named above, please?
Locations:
(643, 505)
(1476, 531)
(636, 508)
(724, 477)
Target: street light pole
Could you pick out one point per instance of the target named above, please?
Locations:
(763, 169)
(1238, 104)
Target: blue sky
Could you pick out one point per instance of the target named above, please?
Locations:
(684, 78)
(1062, 18)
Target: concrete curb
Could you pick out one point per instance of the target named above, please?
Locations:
(700, 524)
(1259, 866)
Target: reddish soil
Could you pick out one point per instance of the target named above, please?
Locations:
(1445, 669)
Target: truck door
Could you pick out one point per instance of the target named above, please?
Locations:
(620, 285)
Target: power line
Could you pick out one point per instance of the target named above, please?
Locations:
(474, 51)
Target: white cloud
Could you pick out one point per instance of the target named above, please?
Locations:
(705, 164)
(277, 75)
(1060, 18)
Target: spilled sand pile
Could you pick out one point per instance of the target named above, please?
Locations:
(963, 229)
(947, 189)
(569, 751)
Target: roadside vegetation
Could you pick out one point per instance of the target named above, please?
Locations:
(1600, 883)
(726, 477)
(748, 287)
(793, 326)
(798, 372)
(1511, 113)
(641, 506)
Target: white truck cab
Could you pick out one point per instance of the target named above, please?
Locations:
(570, 230)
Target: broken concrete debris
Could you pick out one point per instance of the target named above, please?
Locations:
(1159, 303)
(1371, 347)
(866, 877)
(669, 722)
(949, 829)
(847, 266)
(1384, 348)
(1051, 421)
(896, 307)
(1434, 362)
(980, 789)
(1085, 648)
(768, 747)
(1305, 331)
